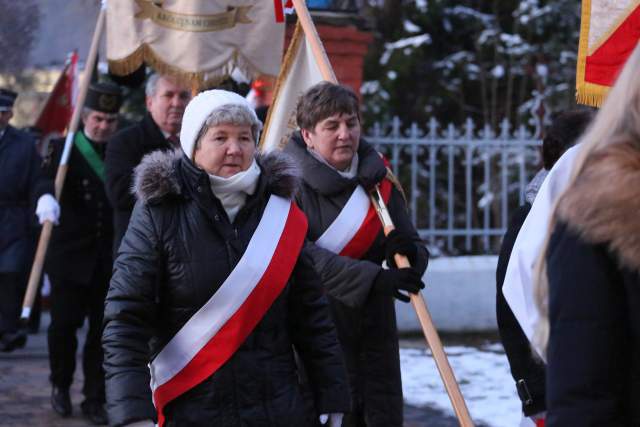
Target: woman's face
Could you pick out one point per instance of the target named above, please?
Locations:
(335, 138)
(225, 150)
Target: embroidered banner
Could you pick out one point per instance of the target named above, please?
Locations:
(609, 32)
(212, 335)
(199, 42)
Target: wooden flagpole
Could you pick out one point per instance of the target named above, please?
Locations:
(417, 301)
(47, 227)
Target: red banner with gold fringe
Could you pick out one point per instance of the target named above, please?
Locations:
(609, 32)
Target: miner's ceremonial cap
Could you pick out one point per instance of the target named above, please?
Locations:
(7, 98)
(104, 97)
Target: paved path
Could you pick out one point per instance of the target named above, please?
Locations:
(25, 391)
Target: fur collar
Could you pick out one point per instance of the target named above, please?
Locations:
(603, 205)
(158, 175)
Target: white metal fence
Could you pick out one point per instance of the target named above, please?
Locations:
(461, 184)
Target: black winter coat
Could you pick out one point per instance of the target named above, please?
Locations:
(85, 231)
(21, 185)
(365, 320)
(528, 371)
(125, 151)
(593, 267)
(179, 248)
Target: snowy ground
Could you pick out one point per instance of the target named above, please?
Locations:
(483, 375)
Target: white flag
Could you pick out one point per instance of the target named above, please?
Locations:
(299, 72)
(518, 287)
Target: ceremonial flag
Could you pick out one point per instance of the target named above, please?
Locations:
(56, 114)
(300, 70)
(199, 42)
(609, 32)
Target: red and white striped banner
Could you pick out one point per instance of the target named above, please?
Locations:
(213, 334)
(354, 230)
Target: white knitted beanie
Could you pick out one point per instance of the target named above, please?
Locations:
(199, 109)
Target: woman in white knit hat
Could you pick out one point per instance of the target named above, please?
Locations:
(213, 288)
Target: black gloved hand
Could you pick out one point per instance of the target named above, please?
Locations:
(398, 242)
(391, 281)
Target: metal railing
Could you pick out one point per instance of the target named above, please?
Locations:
(462, 184)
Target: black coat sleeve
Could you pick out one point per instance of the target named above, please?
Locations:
(122, 157)
(130, 313)
(528, 371)
(315, 339)
(589, 352)
(346, 279)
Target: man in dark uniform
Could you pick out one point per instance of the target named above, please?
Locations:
(21, 186)
(79, 258)
(166, 100)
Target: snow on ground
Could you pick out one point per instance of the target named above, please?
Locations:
(483, 375)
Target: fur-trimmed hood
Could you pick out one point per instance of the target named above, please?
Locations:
(158, 175)
(603, 205)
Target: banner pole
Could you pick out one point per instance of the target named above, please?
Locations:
(419, 305)
(314, 41)
(47, 227)
(428, 328)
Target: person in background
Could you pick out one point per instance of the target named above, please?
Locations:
(22, 185)
(79, 258)
(588, 285)
(165, 100)
(339, 168)
(528, 371)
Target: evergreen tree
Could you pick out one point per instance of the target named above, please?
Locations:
(454, 59)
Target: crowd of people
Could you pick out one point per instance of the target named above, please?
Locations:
(225, 286)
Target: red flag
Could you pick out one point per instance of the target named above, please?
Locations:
(56, 114)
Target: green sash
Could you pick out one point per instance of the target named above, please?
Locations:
(89, 154)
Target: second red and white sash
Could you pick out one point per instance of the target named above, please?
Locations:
(355, 228)
(213, 334)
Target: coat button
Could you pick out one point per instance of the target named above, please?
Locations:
(85, 182)
(199, 189)
(87, 196)
(216, 217)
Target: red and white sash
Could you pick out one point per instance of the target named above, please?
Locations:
(354, 230)
(213, 334)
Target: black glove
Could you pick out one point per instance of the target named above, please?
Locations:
(390, 282)
(398, 242)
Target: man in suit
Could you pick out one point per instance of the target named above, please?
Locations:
(79, 258)
(166, 100)
(22, 185)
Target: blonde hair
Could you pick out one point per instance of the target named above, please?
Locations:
(619, 118)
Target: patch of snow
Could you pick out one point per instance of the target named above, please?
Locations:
(421, 5)
(485, 18)
(410, 27)
(392, 75)
(542, 70)
(409, 42)
(483, 376)
(498, 72)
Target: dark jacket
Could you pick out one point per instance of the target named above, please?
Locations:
(85, 231)
(178, 250)
(365, 320)
(527, 370)
(125, 150)
(593, 267)
(21, 185)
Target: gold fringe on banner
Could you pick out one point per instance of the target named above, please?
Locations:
(200, 80)
(591, 94)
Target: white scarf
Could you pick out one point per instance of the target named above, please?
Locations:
(233, 191)
(350, 172)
